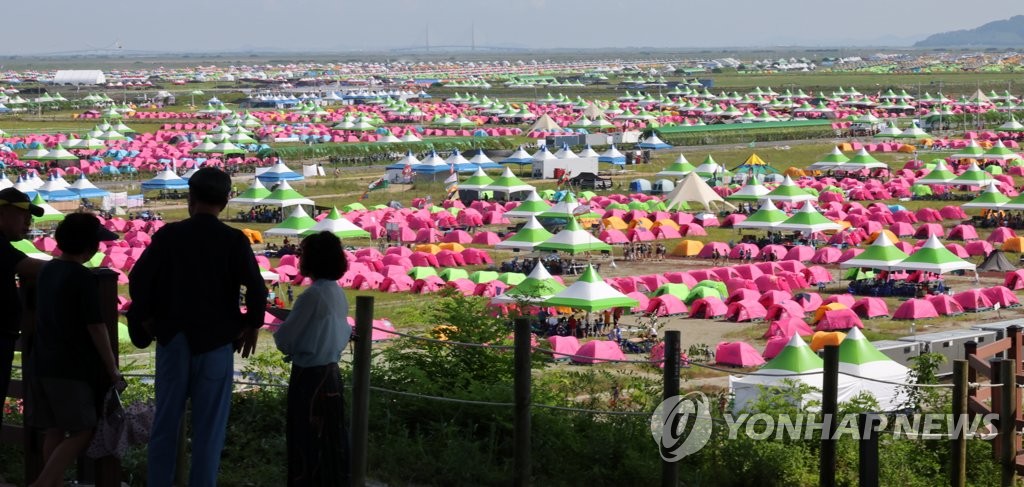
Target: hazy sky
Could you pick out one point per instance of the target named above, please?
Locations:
(333, 25)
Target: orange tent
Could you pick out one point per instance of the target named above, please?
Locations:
(644, 222)
(688, 248)
(665, 222)
(254, 236)
(907, 149)
(823, 338)
(795, 173)
(1013, 244)
(430, 248)
(845, 147)
(453, 246)
(874, 236)
(820, 313)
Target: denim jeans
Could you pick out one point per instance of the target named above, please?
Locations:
(206, 380)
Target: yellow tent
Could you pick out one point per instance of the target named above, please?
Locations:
(665, 222)
(453, 246)
(795, 173)
(907, 149)
(688, 248)
(820, 313)
(431, 248)
(823, 338)
(755, 160)
(615, 222)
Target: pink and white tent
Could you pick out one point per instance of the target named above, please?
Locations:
(738, 354)
(915, 309)
(597, 351)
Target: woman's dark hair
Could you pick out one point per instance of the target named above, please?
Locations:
(322, 257)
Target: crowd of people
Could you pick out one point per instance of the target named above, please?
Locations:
(639, 251)
(261, 214)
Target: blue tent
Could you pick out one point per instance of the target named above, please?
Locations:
(640, 185)
(277, 173)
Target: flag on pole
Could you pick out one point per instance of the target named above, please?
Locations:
(452, 179)
(407, 170)
(376, 183)
(564, 179)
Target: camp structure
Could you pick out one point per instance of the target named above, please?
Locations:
(789, 192)
(508, 187)
(796, 362)
(296, 223)
(536, 288)
(933, 257)
(277, 173)
(591, 293)
(527, 238)
(336, 224)
(693, 189)
(939, 175)
(833, 160)
(996, 262)
(573, 240)
(165, 180)
(252, 195)
(532, 205)
(766, 217)
(868, 370)
(808, 220)
(882, 254)
(678, 169)
(991, 198)
(754, 165)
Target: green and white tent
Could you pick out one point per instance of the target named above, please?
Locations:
(891, 131)
(58, 153)
(971, 151)
(26, 247)
(940, 175)
(296, 223)
(808, 220)
(973, 176)
(789, 192)
(766, 217)
(860, 361)
(1012, 125)
(251, 196)
(915, 133)
(338, 225)
(833, 160)
(567, 209)
(285, 196)
(527, 238)
(531, 206)
(709, 168)
(591, 293)
(573, 240)
(508, 184)
(881, 254)
(536, 288)
(752, 191)
(1001, 152)
(680, 168)
(477, 181)
(991, 198)
(795, 358)
(862, 160)
(50, 214)
(933, 257)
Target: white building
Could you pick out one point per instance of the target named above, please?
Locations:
(79, 77)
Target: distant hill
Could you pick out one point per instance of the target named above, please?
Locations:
(1001, 33)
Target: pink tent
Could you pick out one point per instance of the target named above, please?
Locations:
(563, 347)
(785, 309)
(486, 238)
(367, 281)
(612, 236)
(839, 319)
(973, 300)
(826, 255)
(843, 299)
(642, 301)
(710, 247)
(741, 311)
(744, 247)
(816, 274)
(978, 248)
(1014, 280)
(945, 305)
(1001, 296)
(810, 301)
(963, 232)
(915, 309)
(742, 294)
(457, 236)
(870, 308)
(489, 289)
(773, 296)
(802, 253)
(766, 283)
(427, 284)
(778, 251)
(462, 285)
(786, 327)
(666, 305)
(737, 354)
(775, 345)
(928, 229)
(597, 351)
(450, 258)
(396, 284)
(1000, 235)
(708, 308)
(737, 284)
(399, 250)
(423, 259)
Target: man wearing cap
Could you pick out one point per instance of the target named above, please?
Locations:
(16, 211)
(209, 261)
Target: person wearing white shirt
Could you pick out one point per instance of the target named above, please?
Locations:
(312, 338)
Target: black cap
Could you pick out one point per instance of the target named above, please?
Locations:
(11, 196)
